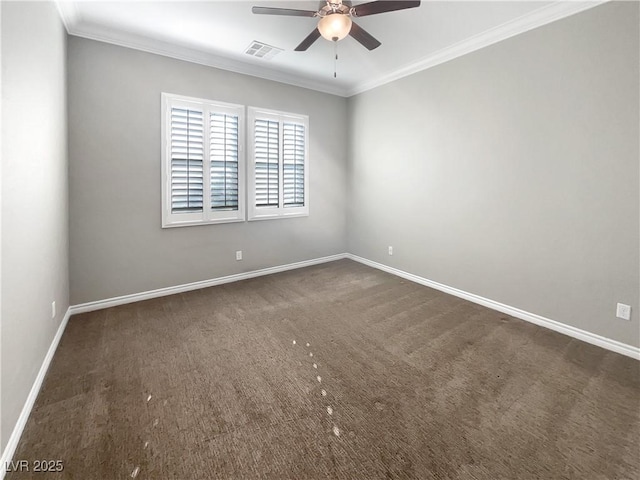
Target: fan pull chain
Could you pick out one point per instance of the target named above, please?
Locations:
(335, 59)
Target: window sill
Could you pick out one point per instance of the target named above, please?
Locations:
(278, 216)
(194, 223)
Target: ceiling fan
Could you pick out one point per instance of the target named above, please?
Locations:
(335, 19)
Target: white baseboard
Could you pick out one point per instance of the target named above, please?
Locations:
(613, 345)
(161, 292)
(7, 454)
(9, 451)
(12, 444)
(607, 343)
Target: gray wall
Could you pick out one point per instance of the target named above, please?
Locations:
(34, 195)
(117, 244)
(512, 172)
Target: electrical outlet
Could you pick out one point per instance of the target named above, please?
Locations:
(239, 255)
(53, 309)
(623, 311)
(390, 250)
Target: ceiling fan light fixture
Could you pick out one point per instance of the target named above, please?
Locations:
(335, 27)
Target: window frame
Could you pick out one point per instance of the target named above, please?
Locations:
(281, 211)
(207, 216)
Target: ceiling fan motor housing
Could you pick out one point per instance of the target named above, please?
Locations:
(331, 7)
(335, 19)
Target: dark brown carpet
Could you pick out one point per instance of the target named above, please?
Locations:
(422, 385)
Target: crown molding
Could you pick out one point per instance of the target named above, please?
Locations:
(537, 18)
(69, 13)
(178, 52)
(74, 26)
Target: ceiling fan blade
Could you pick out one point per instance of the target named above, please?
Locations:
(283, 11)
(383, 6)
(307, 42)
(364, 37)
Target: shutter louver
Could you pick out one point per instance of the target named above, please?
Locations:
(187, 156)
(293, 152)
(224, 161)
(266, 162)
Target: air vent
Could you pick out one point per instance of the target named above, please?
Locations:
(262, 50)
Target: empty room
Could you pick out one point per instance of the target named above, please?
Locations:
(320, 240)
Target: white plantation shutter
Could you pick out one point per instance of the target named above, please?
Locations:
(267, 153)
(187, 157)
(293, 155)
(224, 161)
(278, 164)
(202, 161)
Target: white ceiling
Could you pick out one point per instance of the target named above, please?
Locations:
(217, 33)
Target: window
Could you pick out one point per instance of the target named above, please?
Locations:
(202, 162)
(278, 164)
